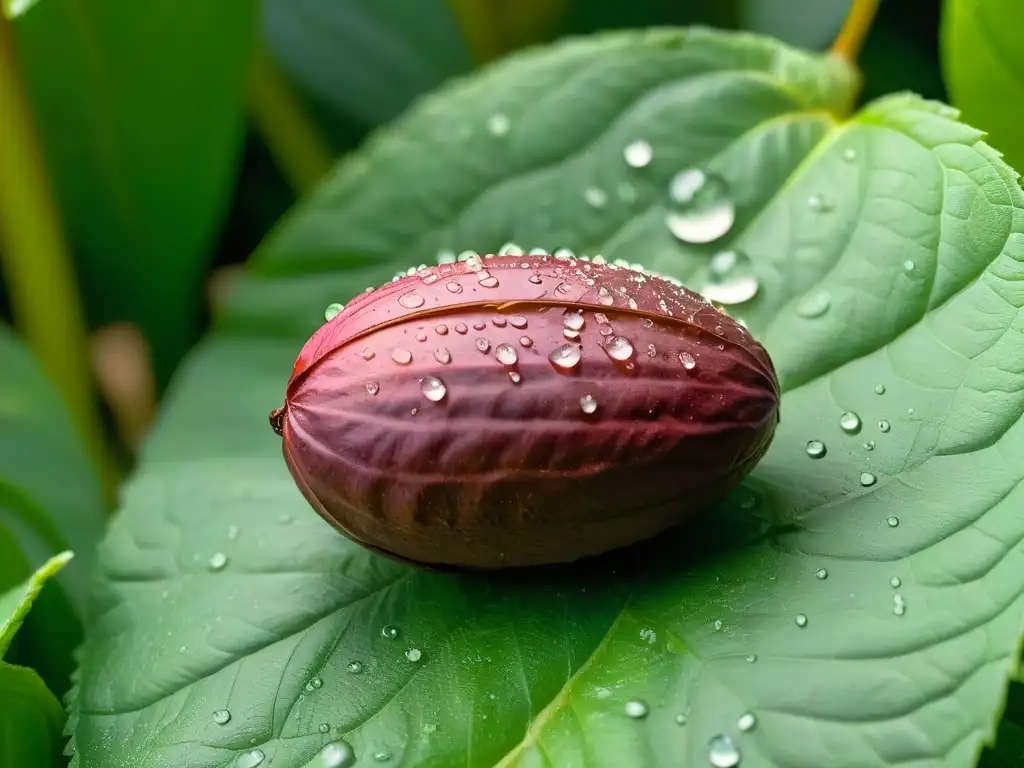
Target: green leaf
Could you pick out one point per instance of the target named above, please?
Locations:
(50, 499)
(230, 593)
(140, 109)
(31, 720)
(983, 64)
(15, 603)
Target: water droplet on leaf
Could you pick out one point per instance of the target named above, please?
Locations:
(895, 582)
(816, 449)
(596, 198)
(814, 304)
(821, 573)
(433, 389)
(705, 211)
(867, 479)
(218, 561)
(566, 356)
(637, 709)
(588, 404)
(884, 426)
(801, 620)
(355, 667)
(722, 752)
(221, 717)
(337, 754)
(638, 154)
(414, 654)
(879, 389)
(747, 722)
(389, 631)
(688, 361)
(892, 521)
(850, 423)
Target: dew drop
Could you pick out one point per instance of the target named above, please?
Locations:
(638, 154)
(899, 607)
(510, 249)
(517, 321)
(717, 624)
(525, 341)
(637, 709)
(879, 389)
(389, 631)
(909, 265)
(498, 124)
(222, 717)
(574, 321)
(681, 719)
(566, 356)
(564, 288)
(722, 752)
(368, 354)
(705, 211)
(570, 335)
(821, 573)
(801, 620)
(588, 404)
(250, 759)
(506, 354)
(483, 345)
(884, 426)
(411, 300)
(421, 336)
(869, 445)
(515, 377)
(814, 304)
(355, 667)
(433, 389)
(732, 278)
(604, 297)
(414, 654)
(217, 562)
(619, 348)
(233, 532)
(442, 355)
(595, 198)
(751, 658)
(652, 351)
(332, 311)
(850, 423)
(372, 387)
(895, 582)
(324, 728)
(381, 756)
(816, 449)
(819, 203)
(867, 479)
(688, 361)
(488, 282)
(461, 328)
(454, 287)
(401, 356)
(314, 684)
(337, 754)
(479, 325)
(849, 154)
(892, 521)
(747, 722)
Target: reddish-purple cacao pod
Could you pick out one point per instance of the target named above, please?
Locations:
(523, 410)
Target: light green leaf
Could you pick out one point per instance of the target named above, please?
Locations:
(30, 720)
(15, 603)
(983, 64)
(222, 590)
(140, 109)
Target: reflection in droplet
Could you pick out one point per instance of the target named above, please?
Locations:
(884, 426)
(372, 387)
(867, 479)
(815, 449)
(595, 198)
(821, 574)
(354, 667)
(619, 348)
(389, 631)
(433, 389)
(442, 355)
(637, 709)
(588, 404)
(747, 722)
(704, 209)
(506, 354)
(517, 321)
(414, 654)
(723, 752)
(688, 360)
(337, 754)
(850, 423)
(566, 356)
(638, 154)
(332, 311)
(574, 321)
(849, 154)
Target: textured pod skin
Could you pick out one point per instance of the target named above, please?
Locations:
(508, 468)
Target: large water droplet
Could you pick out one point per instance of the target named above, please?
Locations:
(250, 759)
(801, 620)
(850, 423)
(411, 300)
(217, 562)
(498, 124)
(867, 479)
(619, 348)
(604, 297)
(638, 154)
(636, 708)
(588, 404)
(821, 573)
(688, 360)
(401, 356)
(332, 311)
(566, 356)
(816, 449)
(705, 211)
(433, 389)
(506, 354)
(574, 321)
(747, 722)
(390, 631)
(814, 304)
(722, 752)
(461, 329)
(443, 356)
(222, 717)
(414, 654)
(337, 754)
(732, 278)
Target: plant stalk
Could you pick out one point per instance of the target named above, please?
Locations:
(37, 265)
(851, 37)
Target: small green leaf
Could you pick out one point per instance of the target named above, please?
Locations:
(31, 720)
(983, 64)
(858, 609)
(140, 109)
(16, 603)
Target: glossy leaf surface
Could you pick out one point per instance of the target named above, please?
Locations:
(864, 606)
(140, 110)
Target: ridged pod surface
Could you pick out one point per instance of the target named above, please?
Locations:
(523, 410)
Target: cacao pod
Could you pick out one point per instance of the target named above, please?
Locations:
(523, 410)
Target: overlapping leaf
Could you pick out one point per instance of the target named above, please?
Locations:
(859, 609)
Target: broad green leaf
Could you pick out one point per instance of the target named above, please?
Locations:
(50, 499)
(31, 720)
(983, 64)
(140, 109)
(366, 60)
(887, 246)
(15, 603)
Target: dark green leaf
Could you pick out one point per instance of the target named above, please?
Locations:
(139, 106)
(31, 720)
(983, 63)
(887, 250)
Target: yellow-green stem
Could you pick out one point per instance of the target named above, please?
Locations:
(855, 29)
(479, 24)
(37, 265)
(294, 141)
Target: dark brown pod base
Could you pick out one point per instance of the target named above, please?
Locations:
(521, 411)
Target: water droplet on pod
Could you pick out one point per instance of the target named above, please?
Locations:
(892, 521)
(850, 423)
(372, 387)
(506, 354)
(566, 356)
(588, 404)
(619, 348)
(884, 426)
(688, 361)
(498, 124)
(250, 759)
(221, 717)
(355, 667)
(411, 300)
(401, 356)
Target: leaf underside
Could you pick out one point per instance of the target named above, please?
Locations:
(918, 249)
